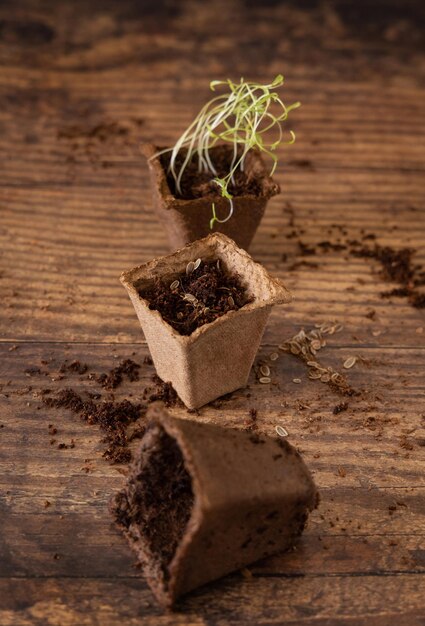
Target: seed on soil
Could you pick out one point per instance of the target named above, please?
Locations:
(197, 264)
(265, 370)
(325, 378)
(282, 432)
(296, 380)
(273, 356)
(265, 380)
(201, 296)
(315, 344)
(349, 362)
(190, 267)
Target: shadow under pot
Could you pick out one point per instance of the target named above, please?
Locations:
(203, 311)
(187, 216)
(202, 501)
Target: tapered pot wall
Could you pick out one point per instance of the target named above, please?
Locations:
(188, 220)
(216, 358)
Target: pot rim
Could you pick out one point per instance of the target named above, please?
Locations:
(150, 150)
(219, 243)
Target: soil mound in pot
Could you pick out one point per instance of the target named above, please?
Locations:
(199, 296)
(164, 497)
(196, 184)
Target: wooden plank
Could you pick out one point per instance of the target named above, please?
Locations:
(75, 210)
(305, 601)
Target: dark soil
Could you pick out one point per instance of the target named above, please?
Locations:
(113, 418)
(200, 297)
(195, 184)
(122, 421)
(163, 392)
(158, 499)
(127, 368)
(397, 266)
(74, 366)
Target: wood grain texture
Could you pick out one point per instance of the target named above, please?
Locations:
(81, 85)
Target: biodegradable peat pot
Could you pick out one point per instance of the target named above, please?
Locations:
(202, 501)
(189, 220)
(217, 357)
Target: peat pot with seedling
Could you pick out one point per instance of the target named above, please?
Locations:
(203, 311)
(215, 176)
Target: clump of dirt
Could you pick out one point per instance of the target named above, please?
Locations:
(127, 368)
(397, 266)
(199, 296)
(113, 418)
(196, 184)
(163, 392)
(120, 421)
(74, 366)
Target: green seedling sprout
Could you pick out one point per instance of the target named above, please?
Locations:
(243, 116)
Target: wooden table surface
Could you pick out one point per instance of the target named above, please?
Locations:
(81, 85)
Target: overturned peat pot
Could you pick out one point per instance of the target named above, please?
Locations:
(202, 501)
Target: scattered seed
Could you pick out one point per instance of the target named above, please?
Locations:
(197, 264)
(296, 380)
(273, 356)
(295, 348)
(316, 344)
(190, 298)
(376, 333)
(265, 370)
(265, 380)
(312, 364)
(338, 328)
(190, 267)
(314, 375)
(349, 362)
(174, 285)
(282, 432)
(231, 301)
(218, 264)
(325, 378)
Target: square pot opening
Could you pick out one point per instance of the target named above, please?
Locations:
(259, 288)
(258, 182)
(159, 504)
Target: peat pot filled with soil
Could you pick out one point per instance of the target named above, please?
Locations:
(202, 501)
(187, 215)
(203, 311)
(214, 177)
